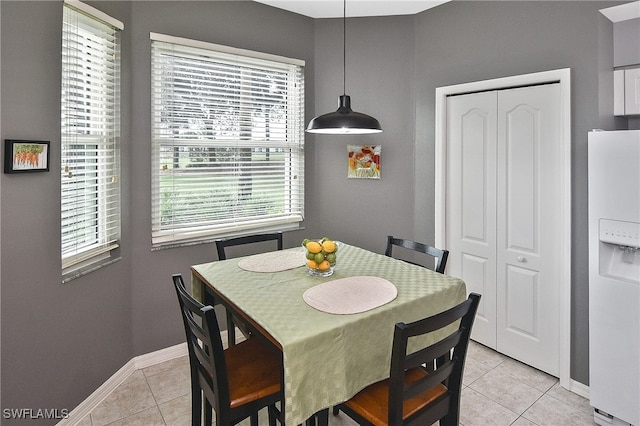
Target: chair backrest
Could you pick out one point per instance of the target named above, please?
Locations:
(444, 361)
(440, 255)
(206, 353)
(247, 239)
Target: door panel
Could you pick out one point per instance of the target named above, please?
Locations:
(473, 189)
(471, 195)
(475, 271)
(529, 205)
(521, 177)
(522, 302)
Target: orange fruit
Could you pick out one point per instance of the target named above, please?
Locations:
(314, 247)
(329, 246)
(325, 265)
(312, 264)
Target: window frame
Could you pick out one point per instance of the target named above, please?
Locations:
(175, 234)
(90, 140)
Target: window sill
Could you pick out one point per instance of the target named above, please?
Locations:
(87, 267)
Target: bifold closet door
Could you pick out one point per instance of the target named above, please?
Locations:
(503, 208)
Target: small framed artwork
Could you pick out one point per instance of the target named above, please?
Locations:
(364, 161)
(24, 156)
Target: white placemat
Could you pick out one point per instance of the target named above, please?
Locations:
(273, 261)
(350, 295)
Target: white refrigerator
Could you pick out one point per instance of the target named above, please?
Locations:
(614, 276)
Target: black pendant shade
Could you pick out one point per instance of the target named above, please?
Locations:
(344, 121)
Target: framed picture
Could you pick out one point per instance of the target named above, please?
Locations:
(23, 156)
(364, 161)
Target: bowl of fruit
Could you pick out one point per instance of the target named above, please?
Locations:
(321, 256)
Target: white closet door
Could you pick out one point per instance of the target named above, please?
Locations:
(502, 213)
(529, 202)
(471, 203)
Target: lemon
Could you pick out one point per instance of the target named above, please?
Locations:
(329, 246)
(325, 265)
(314, 247)
(312, 264)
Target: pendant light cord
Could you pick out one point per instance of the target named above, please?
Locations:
(344, 47)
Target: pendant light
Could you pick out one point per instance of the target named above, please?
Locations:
(344, 120)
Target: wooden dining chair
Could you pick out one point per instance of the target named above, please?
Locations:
(221, 246)
(237, 382)
(423, 386)
(439, 255)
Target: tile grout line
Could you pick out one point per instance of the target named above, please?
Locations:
(519, 415)
(532, 404)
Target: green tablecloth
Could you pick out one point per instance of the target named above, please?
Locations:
(328, 358)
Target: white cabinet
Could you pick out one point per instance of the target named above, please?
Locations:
(626, 95)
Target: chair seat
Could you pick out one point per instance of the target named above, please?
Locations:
(372, 402)
(254, 372)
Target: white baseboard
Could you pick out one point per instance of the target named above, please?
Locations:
(143, 361)
(85, 407)
(157, 357)
(579, 388)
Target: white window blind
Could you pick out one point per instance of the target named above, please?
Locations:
(228, 141)
(90, 134)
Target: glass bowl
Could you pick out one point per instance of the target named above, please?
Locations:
(321, 261)
(316, 272)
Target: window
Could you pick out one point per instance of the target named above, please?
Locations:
(228, 141)
(90, 133)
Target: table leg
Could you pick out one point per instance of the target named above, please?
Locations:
(321, 418)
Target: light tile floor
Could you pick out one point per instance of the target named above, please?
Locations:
(497, 391)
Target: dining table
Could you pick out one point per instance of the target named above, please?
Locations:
(335, 332)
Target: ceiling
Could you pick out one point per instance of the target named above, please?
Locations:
(622, 12)
(334, 8)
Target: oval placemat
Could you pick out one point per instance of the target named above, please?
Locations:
(350, 295)
(273, 261)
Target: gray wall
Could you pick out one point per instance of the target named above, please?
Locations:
(379, 79)
(626, 39)
(60, 342)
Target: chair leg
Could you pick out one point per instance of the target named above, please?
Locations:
(208, 413)
(273, 415)
(254, 419)
(231, 330)
(335, 410)
(450, 419)
(196, 407)
(323, 417)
